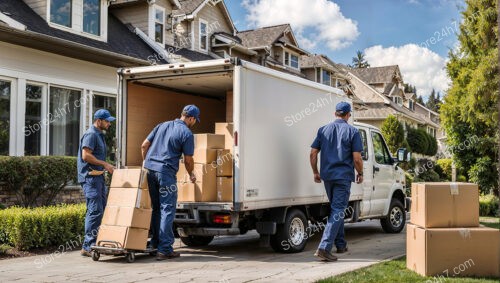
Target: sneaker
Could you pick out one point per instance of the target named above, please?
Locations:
(342, 250)
(162, 256)
(85, 253)
(325, 255)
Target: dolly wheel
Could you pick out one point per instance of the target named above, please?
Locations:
(95, 255)
(130, 257)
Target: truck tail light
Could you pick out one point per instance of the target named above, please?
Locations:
(221, 219)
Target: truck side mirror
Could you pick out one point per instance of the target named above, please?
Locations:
(402, 153)
(408, 156)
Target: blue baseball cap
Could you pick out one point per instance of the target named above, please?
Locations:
(192, 111)
(343, 107)
(103, 114)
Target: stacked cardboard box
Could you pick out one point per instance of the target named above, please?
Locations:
(225, 163)
(127, 215)
(444, 237)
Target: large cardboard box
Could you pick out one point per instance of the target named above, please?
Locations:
(127, 216)
(205, 156)
(226, 129)
(445, 205)
(129, 197)
(224, 189)
(129, 178)
(127, 237)
(224, 163)
(453, 251)
(205, 188)
(209, 141)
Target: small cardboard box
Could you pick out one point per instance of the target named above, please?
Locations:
(205, 188)
(445, 205)
(129, 178)
(129, 197)
(205, 173)
(127, 216)
(205, 156)
(224, 189)
(224, 163)
(226, 129)
(127, 237)
(453, 251)
(208, 141)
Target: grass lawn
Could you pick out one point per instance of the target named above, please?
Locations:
(493, 222)
(394, 271)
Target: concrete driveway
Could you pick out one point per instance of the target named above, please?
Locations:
(226, 259)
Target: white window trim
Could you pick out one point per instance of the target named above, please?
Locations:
(202, 21)
(152, 22)
(12, 119)
(76, 27)
(322, 79)
(290, 60)
(43, 115)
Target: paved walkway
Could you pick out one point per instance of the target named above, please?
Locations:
(226, 259)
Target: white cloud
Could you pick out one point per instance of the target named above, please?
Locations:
(419, 66)
(315, 22)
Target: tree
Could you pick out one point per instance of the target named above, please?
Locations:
(393, 133)
(420, 100)
(418, 140)
(359, 61)
(469, 112)
(434, 101)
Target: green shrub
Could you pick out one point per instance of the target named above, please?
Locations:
(2, 206)
(461, 178)
(488, 205)
(393, 133)
(409, 181)
(427, 176)
(4, 249)
(445, 166)
(36, 180)
(26, 228)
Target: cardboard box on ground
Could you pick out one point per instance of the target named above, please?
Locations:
(444, 237)
(127, 215)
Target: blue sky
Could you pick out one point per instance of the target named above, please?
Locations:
(414, 34)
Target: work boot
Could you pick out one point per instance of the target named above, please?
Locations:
(342, 250)
(85, 253)
(325, 255)
(162, 256)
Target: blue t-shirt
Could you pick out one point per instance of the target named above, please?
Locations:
(93, 139)
(169, 140)
(336, 142)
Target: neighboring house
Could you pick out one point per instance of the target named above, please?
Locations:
(276, 47)
(58, 64)
(319, 68)
(382, 91)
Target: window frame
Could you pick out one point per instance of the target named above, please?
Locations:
(200, 22)
(323, 77)
(366, 152)
(12, 115)
(287, 59)
(43, 115)
(71, 18)
(384, 146)
(100, 20)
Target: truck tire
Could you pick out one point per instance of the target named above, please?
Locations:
(197, 241)
(396, 218)
(291, 237)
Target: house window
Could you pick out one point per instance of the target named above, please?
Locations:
(92, 16)
(398, 100)
(109, 103)
(291, 60)
(64, 121)
(159, 24)
(203, 36)
(33, 120)
(326, 78)
(412, 107)
(60, 12)
(5, 93)
(287, 59)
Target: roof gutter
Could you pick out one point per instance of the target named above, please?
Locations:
(71, 45)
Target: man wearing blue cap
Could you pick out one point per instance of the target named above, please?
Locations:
(161, 152)
(340, 146)
(91, 165)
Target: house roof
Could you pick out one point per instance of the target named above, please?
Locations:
(121, 41)
(190, 55)
(388, 88)
(187, 7)
(317, 60)
(380, 111)
(375, 75)
(261, 37)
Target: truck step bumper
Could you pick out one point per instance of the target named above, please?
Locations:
(195, 231)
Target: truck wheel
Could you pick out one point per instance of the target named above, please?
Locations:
(396, 218)
(291, 237)
(197, 241)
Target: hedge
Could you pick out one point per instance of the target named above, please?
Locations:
(36, 180)
(488, 205)
(27, 228)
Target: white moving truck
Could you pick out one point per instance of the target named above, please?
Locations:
(276, 117)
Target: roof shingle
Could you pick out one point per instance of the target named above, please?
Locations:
(375, 75)
(265, 36)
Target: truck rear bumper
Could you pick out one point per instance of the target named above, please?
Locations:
(197, 231)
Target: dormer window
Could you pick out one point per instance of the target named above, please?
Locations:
(92, 17)
(157, 24)
(203, 36)
(291, 60)
(60, 12)
(411, 105)
(398, 100)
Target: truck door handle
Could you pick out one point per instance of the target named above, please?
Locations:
(376, 169)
